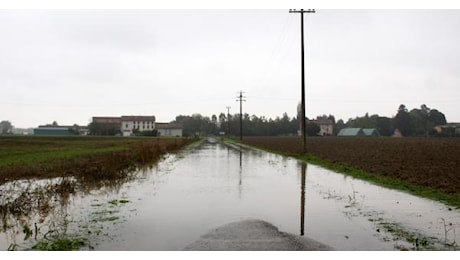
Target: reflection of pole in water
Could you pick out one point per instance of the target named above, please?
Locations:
(240, 173)
(302, 198)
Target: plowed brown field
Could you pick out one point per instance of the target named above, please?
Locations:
(431, 162)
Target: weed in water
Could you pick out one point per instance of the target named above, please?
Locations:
(62, 244)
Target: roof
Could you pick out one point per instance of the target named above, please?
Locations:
(351, 132)
(371, 132)
(359, 132)
(138, 118)
(106, 119)
(168, 126)
(53, 128)
(322, 121)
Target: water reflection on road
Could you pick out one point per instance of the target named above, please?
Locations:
(190, 193)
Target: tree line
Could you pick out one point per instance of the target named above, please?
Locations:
(416, 122)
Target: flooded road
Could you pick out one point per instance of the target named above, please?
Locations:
(172, 204)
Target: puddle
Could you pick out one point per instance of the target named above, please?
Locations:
(184, 196)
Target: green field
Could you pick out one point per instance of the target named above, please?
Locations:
(35, 156)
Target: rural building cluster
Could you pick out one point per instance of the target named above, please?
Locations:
(123, 125)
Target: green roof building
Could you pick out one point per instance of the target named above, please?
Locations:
(359, 132)
(52, 131)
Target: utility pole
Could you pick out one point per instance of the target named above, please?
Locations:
(303, 130)
(228, 121)
(240, 98)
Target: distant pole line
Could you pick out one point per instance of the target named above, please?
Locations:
(303, 127)
(228, 121)
(241, 99)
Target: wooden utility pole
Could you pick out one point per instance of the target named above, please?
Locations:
(228, 121)
(240, 99)
(302, 130)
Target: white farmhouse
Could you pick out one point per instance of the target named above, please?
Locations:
(169, 129)
(131, 124)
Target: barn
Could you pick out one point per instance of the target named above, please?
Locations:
(372, 132)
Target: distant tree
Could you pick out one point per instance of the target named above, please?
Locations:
(339, 126)
(402, 121)
(312, 129)
(437, 118)
(104, 128)
(6, 127)
(424, 120)
(385, 126)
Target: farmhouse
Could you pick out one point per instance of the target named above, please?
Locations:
(326, 125)
(132, 124)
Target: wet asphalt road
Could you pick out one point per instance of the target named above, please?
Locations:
(253, 235)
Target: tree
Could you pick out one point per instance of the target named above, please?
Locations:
(312, 129)
(402, 121)
(384, 125)
(6, 127)
(339, 126)
(437, 118)
(104, 128)
(424, 120)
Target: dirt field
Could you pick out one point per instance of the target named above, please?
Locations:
(432, 162)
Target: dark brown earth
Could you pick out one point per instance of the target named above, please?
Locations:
(431, 162)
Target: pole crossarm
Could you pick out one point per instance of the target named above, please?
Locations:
(302, 11)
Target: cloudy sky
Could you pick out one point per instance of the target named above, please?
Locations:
(70, 65)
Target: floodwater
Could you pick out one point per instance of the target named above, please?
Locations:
(170, 205)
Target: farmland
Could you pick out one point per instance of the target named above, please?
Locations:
(98, 157)
(430, 163)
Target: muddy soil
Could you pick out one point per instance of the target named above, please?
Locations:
(431, 162)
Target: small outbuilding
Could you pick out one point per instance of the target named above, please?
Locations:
(44, 130)
(359, 132)
(351, 132)
(169, 129)
(371, 132)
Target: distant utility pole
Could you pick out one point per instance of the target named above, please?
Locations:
(303, 130)
(228, 121)
(240, 98)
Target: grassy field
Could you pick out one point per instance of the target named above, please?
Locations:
(428, 167)
(33, 156)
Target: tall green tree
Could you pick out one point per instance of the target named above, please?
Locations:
(402, 121)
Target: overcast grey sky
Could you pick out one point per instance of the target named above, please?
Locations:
(70, 65)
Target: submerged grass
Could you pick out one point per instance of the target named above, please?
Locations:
(61, 244)
(450, 199)
(38, 176)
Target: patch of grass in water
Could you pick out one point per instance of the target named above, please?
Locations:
(108, 219)
(61, 244)
(418, 241)
(116, 202)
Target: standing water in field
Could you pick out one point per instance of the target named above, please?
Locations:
(172, 204)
